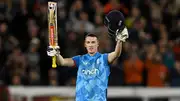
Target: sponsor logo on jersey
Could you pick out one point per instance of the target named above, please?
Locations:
(93, 71)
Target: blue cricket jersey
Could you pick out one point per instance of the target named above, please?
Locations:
(92, 77)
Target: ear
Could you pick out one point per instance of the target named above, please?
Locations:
(98, 42)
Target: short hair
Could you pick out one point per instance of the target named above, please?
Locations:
(90, 35)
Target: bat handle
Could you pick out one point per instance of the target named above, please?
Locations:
(54, 62)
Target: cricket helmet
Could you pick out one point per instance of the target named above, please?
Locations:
(114, 20)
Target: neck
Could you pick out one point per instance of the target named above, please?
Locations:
(92, 54)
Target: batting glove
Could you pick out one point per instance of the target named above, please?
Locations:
(122, 35)
(53, 51)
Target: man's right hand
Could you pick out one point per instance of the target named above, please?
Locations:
(53, 51)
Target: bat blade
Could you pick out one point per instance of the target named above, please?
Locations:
(52, 28)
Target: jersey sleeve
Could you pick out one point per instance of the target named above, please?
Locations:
(105, 58)
(76, 60)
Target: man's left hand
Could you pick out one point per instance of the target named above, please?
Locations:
(123, 35)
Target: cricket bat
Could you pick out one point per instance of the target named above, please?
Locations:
(52, 28)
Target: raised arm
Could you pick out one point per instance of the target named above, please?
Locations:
(120, 38)
(116, 53)
(60, 60)
(65, 61)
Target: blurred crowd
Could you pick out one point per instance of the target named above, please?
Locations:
(150, 57)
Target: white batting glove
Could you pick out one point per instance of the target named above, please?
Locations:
(123, 35)
(53, 51)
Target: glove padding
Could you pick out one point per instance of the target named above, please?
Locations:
(53, 51)
(123, 35)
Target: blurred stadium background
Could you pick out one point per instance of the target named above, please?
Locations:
(148, 69)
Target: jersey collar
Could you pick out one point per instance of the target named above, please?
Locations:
(95, 55)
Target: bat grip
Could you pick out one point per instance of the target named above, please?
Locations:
(54, 62)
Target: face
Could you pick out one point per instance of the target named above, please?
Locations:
(84, 16)
(91, 44)
(3, 27)
(158, 58)
(135, 12)
(98, 19)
